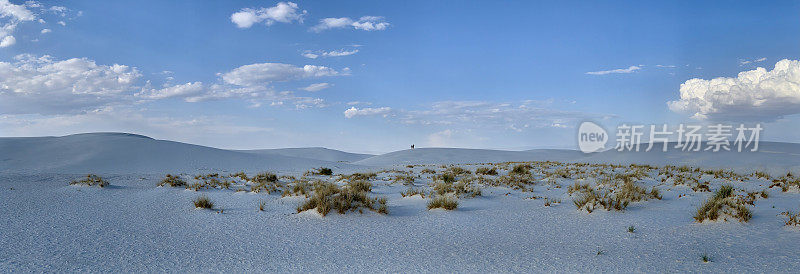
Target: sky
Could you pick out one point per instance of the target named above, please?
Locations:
(378, 76)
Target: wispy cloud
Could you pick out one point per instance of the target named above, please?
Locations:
(317, 87)
(332, 53)
(743, 62)
(630, 69)
(367, 23)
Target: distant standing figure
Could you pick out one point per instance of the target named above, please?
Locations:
(412, 146)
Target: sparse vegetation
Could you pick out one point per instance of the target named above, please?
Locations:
(793, 219)
(328, 196)
(262, 205)
(411, 191)
(443, 201)
(486, 171)
(631, 229)
(173, 181)
(723, 204)
(91, 180)
(705, 258)
(203, 202)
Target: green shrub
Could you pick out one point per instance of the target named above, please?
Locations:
(443, 201)
(324, 171)
(91, 180)
(203, 202)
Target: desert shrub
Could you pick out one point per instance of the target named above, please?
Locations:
(443, 201)
(411, 191)
(328, 196)
(486, 171)
(91, 180)
(296, 188)
(631, 229)
(705, 258)
(466, 188)
(577, 187)
(442, 187)
(240, 175)
(521, 169)
(515, 181)
(428, 171)
(173, 181)
(359, 176)
(446, 177)
(786, 182)
(203, 202)
(550, 201)
(458, 171)
(263, 187)
(724, 203)
(404, 179)
(320, 171)
(265, 177)
(360, 185)
(793, 219)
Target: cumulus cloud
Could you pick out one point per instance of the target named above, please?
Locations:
(284, 12)
(10, 16)
(754, 95)
(263, 73)
(182, 90)
(367, 23)
(43, 85)
(630, 69)
(317, 87)
(46, 31)
(332, 53)
(441, 138)
(353, 112)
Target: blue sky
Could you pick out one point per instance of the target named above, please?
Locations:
(483, 74)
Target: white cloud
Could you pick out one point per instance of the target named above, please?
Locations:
(264, 73)
(630, 69)
(284, 12)
(43, 85)
(46, 31)
(10, 16)
(743, 62)
(183, 90)
(317, 87)
(353, 112)
(754, 95)
(367, 23)
(62, 23)
(332, 53)
(441, 138)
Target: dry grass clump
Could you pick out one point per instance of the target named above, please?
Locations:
(752, 197)
(428, 171)
(404, 179)
(298, 188)
(360, 185)
(91, 180)
(320, 171)
(458, 171)
(520, 169)
(173, 181)
(793, 219)
(265, 177)
(515, 181)
(462, 188)
(786, 182)
(328, 196)
(443, 201)
(411, 191)
(203, 202)
(262, 205)
(723, 204)
(486, 171)
(616, 198)
(240, 175)
(359, 176)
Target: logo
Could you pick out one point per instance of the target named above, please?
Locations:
(591, 137)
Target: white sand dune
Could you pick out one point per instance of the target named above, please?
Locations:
(316, 153)
(123, 153)
(772, 157)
